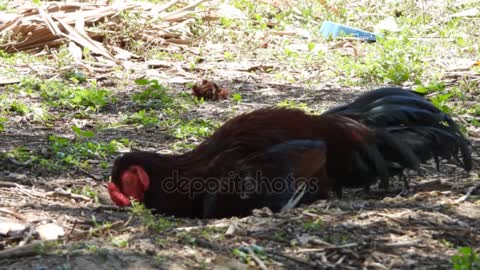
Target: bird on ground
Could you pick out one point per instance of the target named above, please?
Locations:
(265, 157)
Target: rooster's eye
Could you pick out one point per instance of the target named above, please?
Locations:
(127, 183)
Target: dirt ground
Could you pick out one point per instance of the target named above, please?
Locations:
(420, 229)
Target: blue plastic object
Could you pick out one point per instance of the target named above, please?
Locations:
(335, 30)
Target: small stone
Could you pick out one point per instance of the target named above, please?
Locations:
(8, 226)
(50, 231)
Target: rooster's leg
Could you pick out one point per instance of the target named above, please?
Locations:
(338, 191)
(406, 184)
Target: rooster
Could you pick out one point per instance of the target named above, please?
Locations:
(263, 158)
(408, 119)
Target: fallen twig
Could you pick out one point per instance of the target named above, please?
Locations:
(18, 163)
(468, 194)
(111, 208)
(291, 258)
(27, 237)
(349, 245)
(216, 225)
(83, 234)
(72, 230)
(400, 244)
(94, 177)
(232, 228)
(30, 249)
(428, 183)
(330, 8)
(296, 197)
(259, 262)
(181, 13)
(11, 213)
(62, 193)
(7, 184)
(378, 265)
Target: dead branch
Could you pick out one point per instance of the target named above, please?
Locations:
(52, 25)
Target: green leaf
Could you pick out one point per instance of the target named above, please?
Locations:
(466, 259)
(240, 254)
(237, 97)
(311, 46)
(83, 133)
(142, 81)
(2, 121)
(432, 87)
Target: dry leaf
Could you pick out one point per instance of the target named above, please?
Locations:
(467, 13)
(209, 91)
(75, 51)
(305, 238)
(387, 24)
(230, 12)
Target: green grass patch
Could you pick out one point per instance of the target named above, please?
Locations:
(190, 129)
(391, 60)
(64, 153)
(149, 220)
(466, 259)
(78, 154)
(143, 118)
(60, 94)
(154, 95)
